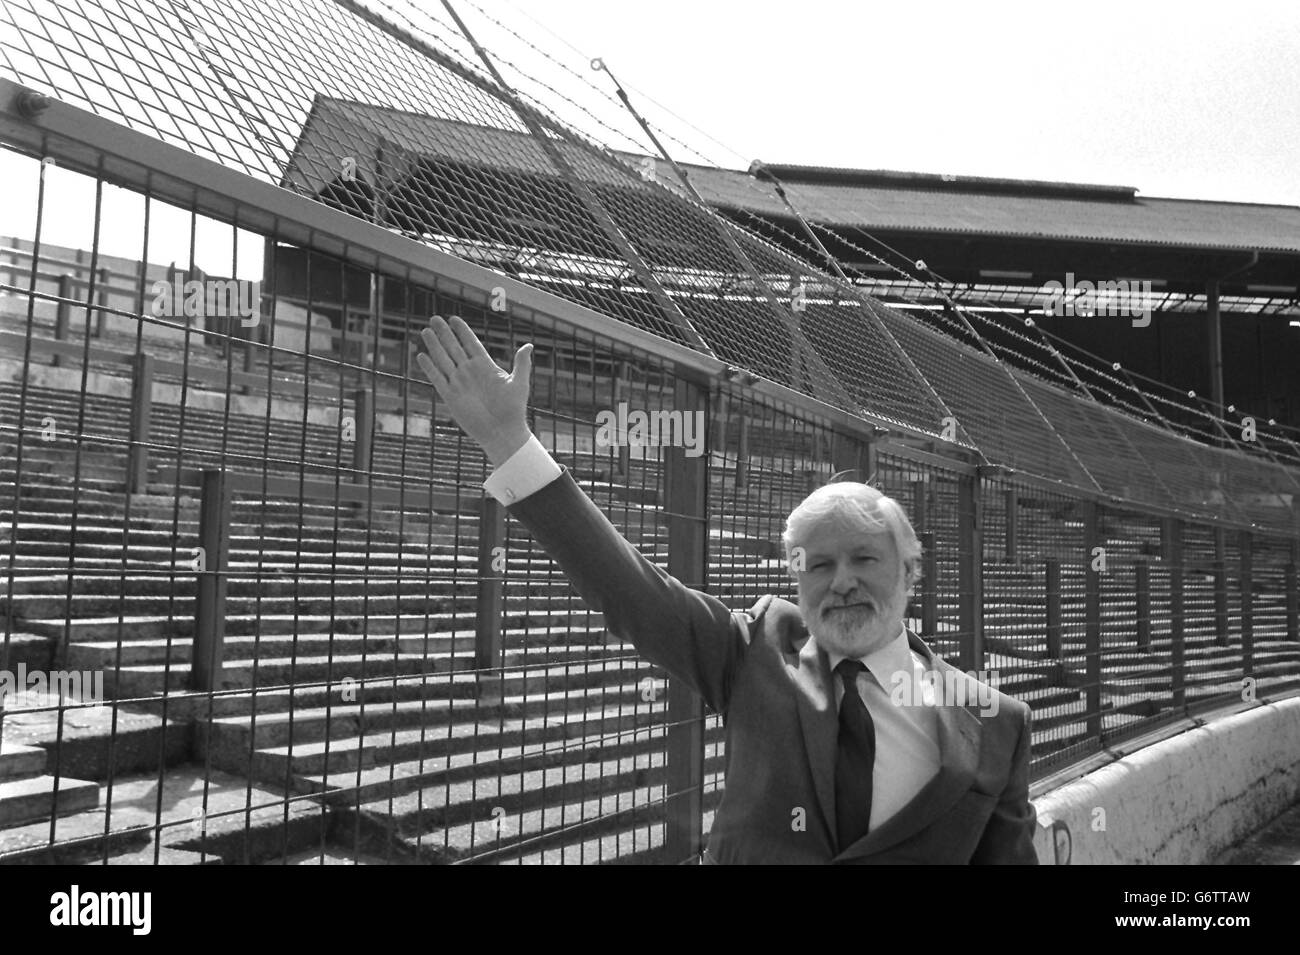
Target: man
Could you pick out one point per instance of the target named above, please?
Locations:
(834, 753)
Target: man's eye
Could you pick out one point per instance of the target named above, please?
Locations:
(819, 565)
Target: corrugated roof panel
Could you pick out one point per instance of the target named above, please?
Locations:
(1149, 221)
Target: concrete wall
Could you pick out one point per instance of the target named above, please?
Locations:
(1182, 800)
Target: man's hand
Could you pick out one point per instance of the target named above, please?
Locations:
(488, 404)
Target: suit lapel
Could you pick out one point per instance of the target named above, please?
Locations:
(959, 752)
(819, 722)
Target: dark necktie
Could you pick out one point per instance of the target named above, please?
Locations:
(854, 759)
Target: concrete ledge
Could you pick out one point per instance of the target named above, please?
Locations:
(1181, 800)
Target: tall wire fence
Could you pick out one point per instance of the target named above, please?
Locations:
(228, 496)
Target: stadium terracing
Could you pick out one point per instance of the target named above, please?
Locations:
(321, 638)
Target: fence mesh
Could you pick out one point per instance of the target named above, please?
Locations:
(227, 494)
(387, 116)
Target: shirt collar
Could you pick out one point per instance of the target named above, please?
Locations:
(894, 657)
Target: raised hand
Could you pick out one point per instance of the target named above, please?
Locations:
(489, 404)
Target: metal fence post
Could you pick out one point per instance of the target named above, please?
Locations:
(62, 316)
(210, 605)
(920, 505)
(1173, 535)
(1052, 585)
(363, 405)
(1220, 573)
(137, 470)
(489, 649)
(970, 573)
(622, 385)
(870, 463)
(246, 350)
(1012, 500)
(1247, 605)
(1293, 594)
(1092, 616)
(408, 362)
(101, 303)
(742, 454)
(687, 482)
(1142, 589)
(929, 585)
(720, 432)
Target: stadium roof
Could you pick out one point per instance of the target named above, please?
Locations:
(969, 205)
(873, 200)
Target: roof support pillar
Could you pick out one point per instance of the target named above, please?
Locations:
(1214, 346)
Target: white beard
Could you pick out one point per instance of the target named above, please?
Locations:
(857, 632)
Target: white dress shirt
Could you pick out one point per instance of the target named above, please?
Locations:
(525, 472)
(907, 737)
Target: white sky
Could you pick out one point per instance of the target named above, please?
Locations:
(1192, 99)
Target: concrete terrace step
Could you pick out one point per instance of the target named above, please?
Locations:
(27, 799)
(253, 439)
(458, 821)
(468, 749)
(1044, 698)
(143, 679)
(640, 841)
(1158, 678)
(268, 724)
(325, 458)
(176, 551)
(433, 702)
(165, 535)
(346, 606)
(518, 643)
(163, 855)
(1071, 729)
(193, 811)
(1053, 726)
(91, 630)
(279, 703)
(133, 584)
(18, 761)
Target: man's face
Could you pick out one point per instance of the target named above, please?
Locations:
(852, 587)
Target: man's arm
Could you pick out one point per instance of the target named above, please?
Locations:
(1009, 835)
(689, 633)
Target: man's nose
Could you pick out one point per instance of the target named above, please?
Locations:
(844, 581)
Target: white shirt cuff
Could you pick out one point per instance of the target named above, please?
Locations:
(526, 471)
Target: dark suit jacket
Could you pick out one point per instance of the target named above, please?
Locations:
(773, 687)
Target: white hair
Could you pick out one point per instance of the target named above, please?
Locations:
(858, 505)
